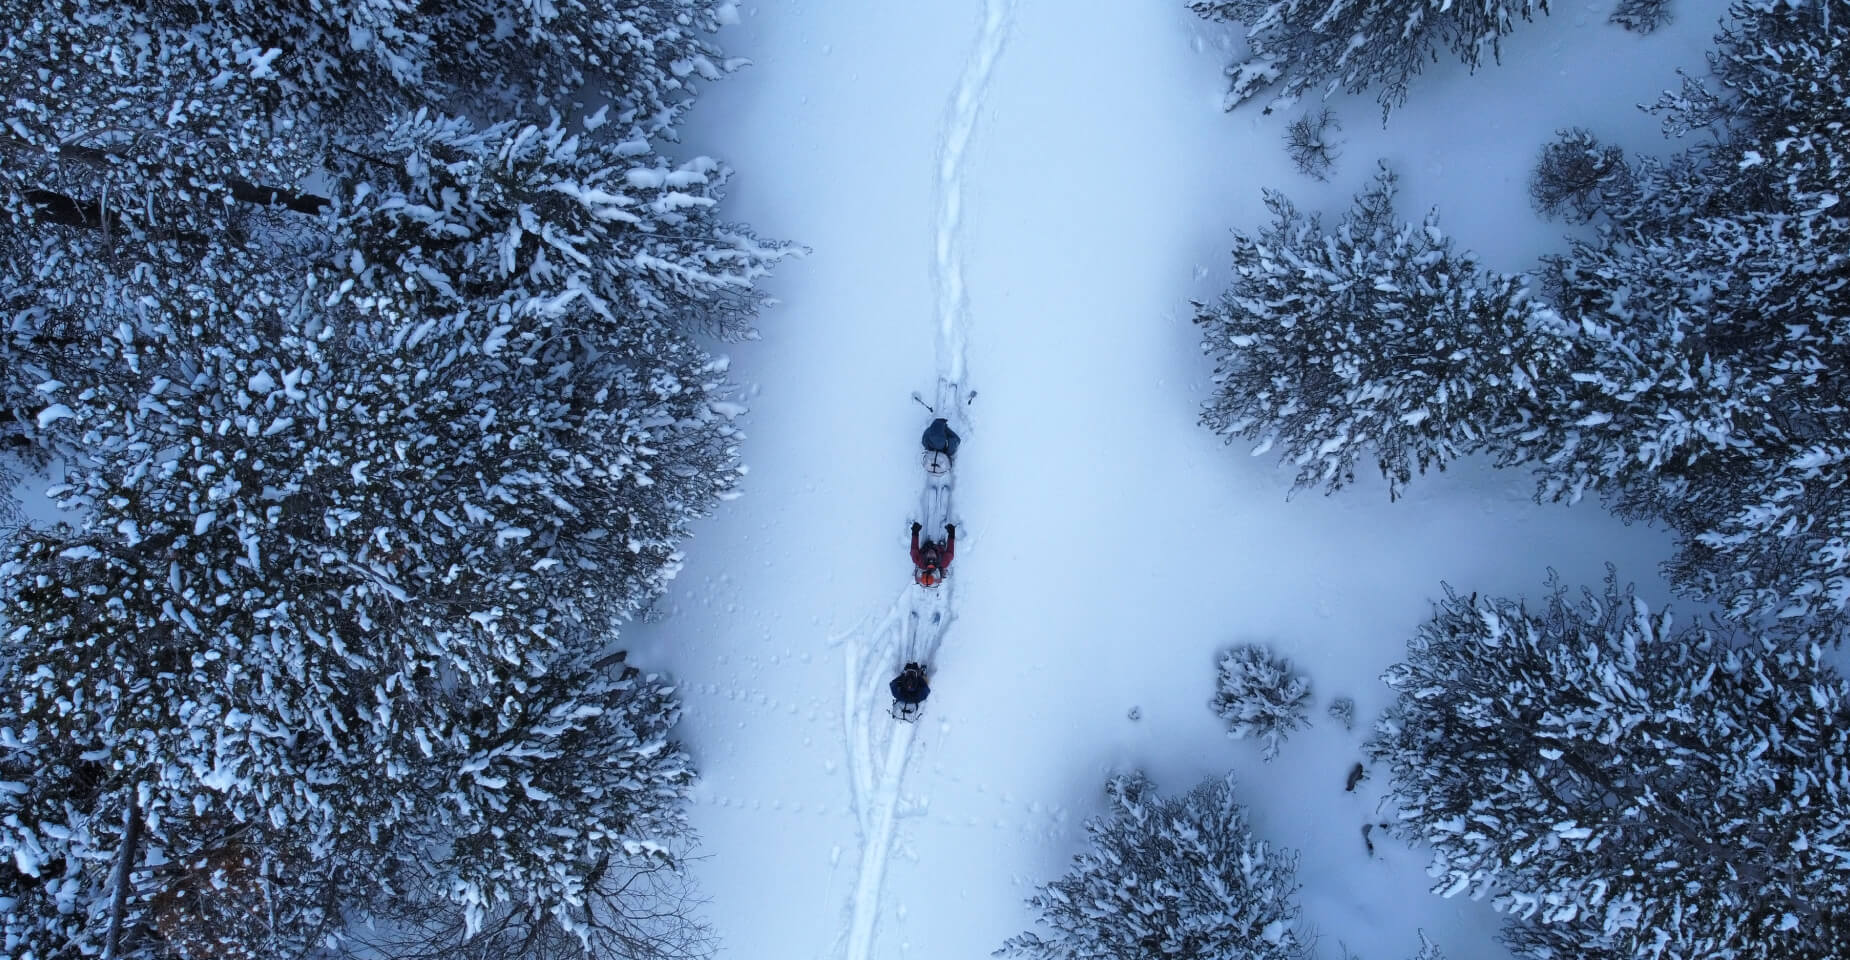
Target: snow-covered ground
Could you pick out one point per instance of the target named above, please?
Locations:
(1108, 547)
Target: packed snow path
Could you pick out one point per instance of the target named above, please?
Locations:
(960, 125)
(914, 629)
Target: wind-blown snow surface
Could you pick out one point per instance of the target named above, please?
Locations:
(1108, 547)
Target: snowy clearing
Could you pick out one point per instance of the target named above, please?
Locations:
(1039, 189)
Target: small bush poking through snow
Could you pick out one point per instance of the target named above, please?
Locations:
(1181, 878)
(1260, 697)
(1641, 16)
(1577, 175)
(1342, 710)
(1311, 145)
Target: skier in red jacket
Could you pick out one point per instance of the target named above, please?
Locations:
(930, 558)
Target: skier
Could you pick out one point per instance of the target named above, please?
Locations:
(910, 688)
(931, 560)
(940, 443)
(941, 438)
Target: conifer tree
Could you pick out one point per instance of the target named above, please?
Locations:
(377, 423)
(1320, 48)
(1179, 877)
(1621, 787)
(1709, 319)
(1374, 340)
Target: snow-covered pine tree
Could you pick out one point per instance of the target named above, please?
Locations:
(528, 217)
(1373, 340)
(1351, 46)
(1709, 319)
(1260, 697)
(128, 143)
(377, 546)
(581, 768)
(217, 171)
(377, 423)
(1181, 877)
(1623, 788)
(358, 62)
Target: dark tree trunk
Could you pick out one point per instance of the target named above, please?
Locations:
(125, 866)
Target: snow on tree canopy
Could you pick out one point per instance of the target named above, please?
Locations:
(1708, 325)
(377, 425)
(1337, 45)
(1181, 877)
(1372, 340)
(1622, 788)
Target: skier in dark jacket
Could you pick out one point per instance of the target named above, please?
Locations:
(910, 687)
(932, 558)
(940, 443)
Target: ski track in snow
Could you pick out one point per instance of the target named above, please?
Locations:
(879, 746)
(953, 301)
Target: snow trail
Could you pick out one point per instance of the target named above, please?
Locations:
(953, 301)
(879, 746)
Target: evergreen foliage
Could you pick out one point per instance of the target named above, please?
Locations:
(1709, 320)
(1623, 788)
(1372, 340)
(1682, 369)
(1181, 877)
(377, 423)
(1323, 47)
(1260, 697)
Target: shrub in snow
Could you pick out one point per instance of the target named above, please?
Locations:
(1309, 140)
(1260, 697)
(1324, 47)
(1181, 877)
(1342, 710)
(1622, 788)
(1576, 174)
(1705, 331)
(1641, 16)
(1374, 340)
